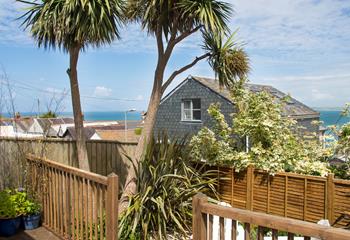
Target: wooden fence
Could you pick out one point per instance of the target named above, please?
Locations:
(303, 197)
(104, 156)
(76, 204)
(202, 225)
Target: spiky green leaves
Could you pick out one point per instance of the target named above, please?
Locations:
(166, 182)
(67, 23)
(227, 58)
(213, 15)
(180, 16)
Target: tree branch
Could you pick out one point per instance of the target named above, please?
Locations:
(186, 34)
(175, 40)
(159, 38)
(181, 70)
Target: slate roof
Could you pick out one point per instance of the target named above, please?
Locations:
(292, 108)
(89, 132)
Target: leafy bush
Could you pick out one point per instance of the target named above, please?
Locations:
(49, 114)
(14, 203)
(8, 206)
(166, 182)
(138, 131)
(273, 142)
(340, 142)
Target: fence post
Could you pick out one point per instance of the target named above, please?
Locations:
(250, 186)
(112, 207)
(199, 226)
(330, 198)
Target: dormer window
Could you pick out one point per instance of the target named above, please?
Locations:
(191, 110)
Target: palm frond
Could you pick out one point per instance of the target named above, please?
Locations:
(63, 24)
(180, 16)
(227, 58)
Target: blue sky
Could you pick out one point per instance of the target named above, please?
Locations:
(301, 47)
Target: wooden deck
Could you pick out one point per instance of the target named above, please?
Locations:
(36, 234)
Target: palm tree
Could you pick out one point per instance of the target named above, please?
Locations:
(171, 22)
(72, 26)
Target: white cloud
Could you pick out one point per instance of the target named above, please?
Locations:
(304, 78)
(101, 91)
(139, 98)
(318, 95)
(54, 90)
(10, 29)
(292, 24)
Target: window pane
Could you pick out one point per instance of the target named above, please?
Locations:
(186, 115)
(196, 103)
(187, 104)
(196, 115)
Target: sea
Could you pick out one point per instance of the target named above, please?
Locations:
(328, 117)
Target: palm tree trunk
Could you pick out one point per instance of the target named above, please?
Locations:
(78, 116)
(147, 133)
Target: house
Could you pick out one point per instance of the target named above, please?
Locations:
(90, 134)
(16, 128)
(22, 125)
(50, 127)
(184, 110)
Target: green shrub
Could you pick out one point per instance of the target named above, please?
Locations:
(166, 182)
(49, 114)
(14, 203)
(138, 131)
(259, 135)
(8, 206)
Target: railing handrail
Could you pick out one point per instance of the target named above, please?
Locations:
(72, 170)
(76, 202)
(202, 206)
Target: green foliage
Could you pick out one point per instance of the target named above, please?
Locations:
(227, 58)
(274, 145)
(179, 16)
(166, 182)
(8, 205)
(343, 144)
(341, 171)
(64, 24)
(138, 131)
(49, 114)
(14, 203)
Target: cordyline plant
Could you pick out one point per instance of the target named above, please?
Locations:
(72, 26)
(171, 22)
(166, 182)
(274, 143)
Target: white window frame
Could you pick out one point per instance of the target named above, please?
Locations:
(191, 110)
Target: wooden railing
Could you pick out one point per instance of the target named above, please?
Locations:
(76, 204)
(203, 213)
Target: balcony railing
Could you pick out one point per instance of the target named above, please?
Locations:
(259, 223)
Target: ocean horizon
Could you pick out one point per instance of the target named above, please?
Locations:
(328, 117)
